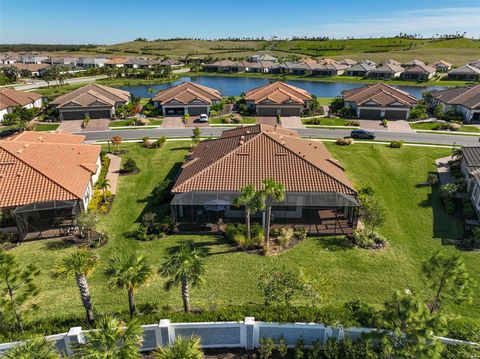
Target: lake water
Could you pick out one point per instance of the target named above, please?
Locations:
(235, 86)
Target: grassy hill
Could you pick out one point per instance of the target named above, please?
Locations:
(456, 51)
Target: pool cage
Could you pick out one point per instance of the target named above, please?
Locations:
(320, 212)
(46, 219)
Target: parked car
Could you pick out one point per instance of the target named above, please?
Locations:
(362, 134)
(203, 118)
(10, 131)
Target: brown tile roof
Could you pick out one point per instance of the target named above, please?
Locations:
(46, 137)
(116, 61)
(187, 92)
(468, 96)
(278, 92)
(29, 67)
(421, 68)
(86, 95)
(37, 172)
(12, 98)
(388, 68)
(382, 94)
(442, 63)
(249, 155)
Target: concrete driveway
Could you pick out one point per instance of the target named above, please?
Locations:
(266, 120)
(392, 126)
(291, 122)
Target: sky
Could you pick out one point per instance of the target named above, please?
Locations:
(115, 21)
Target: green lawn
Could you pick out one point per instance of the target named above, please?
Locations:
(121, 123)
(46, 127)
(219, 120)
(327, 121)
(431, 126)
(415, 227)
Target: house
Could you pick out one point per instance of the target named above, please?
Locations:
(227, 66)
(88, 62)
(61, 61)
(361, 70)
(259, 58)
(348, 62)
(442, 66)
(319, 196)
(463, 100)
(297, 68)
(27, 70)
(33, 59)
(9, 58)
(391, 62)
(369, 62)
(379, 101)
(277, 99)
(116, 62)
(413, 63)
(9, 99)
(470, 167)
(332, 69)
(475, 63)
(386, 72)
(464, 73)
(46, 178)
(137, 63)
(92, 101)
(171, 63)
(186, 98)
(418, 73)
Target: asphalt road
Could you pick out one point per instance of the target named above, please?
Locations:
(443, 139)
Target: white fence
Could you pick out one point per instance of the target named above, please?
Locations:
(246, 334)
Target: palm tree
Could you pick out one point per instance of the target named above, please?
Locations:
(184, 266)
(151, 91)
(38, 348)
(457, 152)
(250, 199)
(111, 339)
(81, 265)
(103, 184)
(272, 192)
(182, 348)
(128, 272)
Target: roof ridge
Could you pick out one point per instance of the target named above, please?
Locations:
(38, 171)
(466, 92)
(304, 159)
(219, 159)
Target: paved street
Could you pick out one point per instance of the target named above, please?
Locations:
(305, 132)
(41, 83)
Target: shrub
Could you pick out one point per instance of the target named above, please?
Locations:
(146, 142)
(182, 348)
(344, 141)
(161, 192)
(85, 122)
(186, 117)
(267, 346)
(384, 122)
(142, 121)
(300, 233)
(368, 239)
(213, 113)
(299, 348)
(353, 123)
(233, 229)
(432, 179)
(257, 232)
(396, 144)
(285, 236)
(166, 224)
(142, 234)
(160, 142)
(129, 165)
(97, 203)
(455, 127)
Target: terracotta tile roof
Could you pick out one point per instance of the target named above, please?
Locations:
(46, 137)
(44, 171)
(88, 94)
(12, 98)
(278, 92)
(187, 92)
(382, 94)
(468, 96)
(249, 155)
(116, 61)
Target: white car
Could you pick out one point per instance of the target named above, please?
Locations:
(203, 118)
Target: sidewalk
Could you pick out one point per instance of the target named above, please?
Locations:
(113, 172)
(443, 170)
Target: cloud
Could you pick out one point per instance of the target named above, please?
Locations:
(425, 21)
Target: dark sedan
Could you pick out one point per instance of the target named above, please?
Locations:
(362, 134)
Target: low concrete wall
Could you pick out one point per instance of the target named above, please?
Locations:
(246, 335)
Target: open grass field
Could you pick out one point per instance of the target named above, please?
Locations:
(415, 228)
(431, 126)
(456, 51)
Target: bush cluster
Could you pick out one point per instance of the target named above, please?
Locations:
(396, 144)
(236, 233)
(345, 141)
(97, 202)
(368, 239)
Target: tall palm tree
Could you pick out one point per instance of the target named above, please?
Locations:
(38, 348)
(103, 184)
(128, 272)
(81, 265)
(272, 192)
(151, 91)
(111, 339)
(250, 199)
(184, 266)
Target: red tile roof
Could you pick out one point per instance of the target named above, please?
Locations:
(188, 92)
(13, 98)
(249, 155)
(382, 94)
(278, 92)
(35, 171)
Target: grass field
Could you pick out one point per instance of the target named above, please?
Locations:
(218, 120)
(456, 51)
(46, 127)
(327, 121)
(430, 126)
(415, 227)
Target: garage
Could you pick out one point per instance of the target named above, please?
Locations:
(266, 111)
(290, 111)
(370, 114)
(476, 117)
(395, 115)
(174, 111)
(73, 115)
(196, 111)
(96, 114)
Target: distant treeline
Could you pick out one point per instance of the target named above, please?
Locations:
(43, 47)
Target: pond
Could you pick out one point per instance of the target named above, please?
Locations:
(235, 86)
